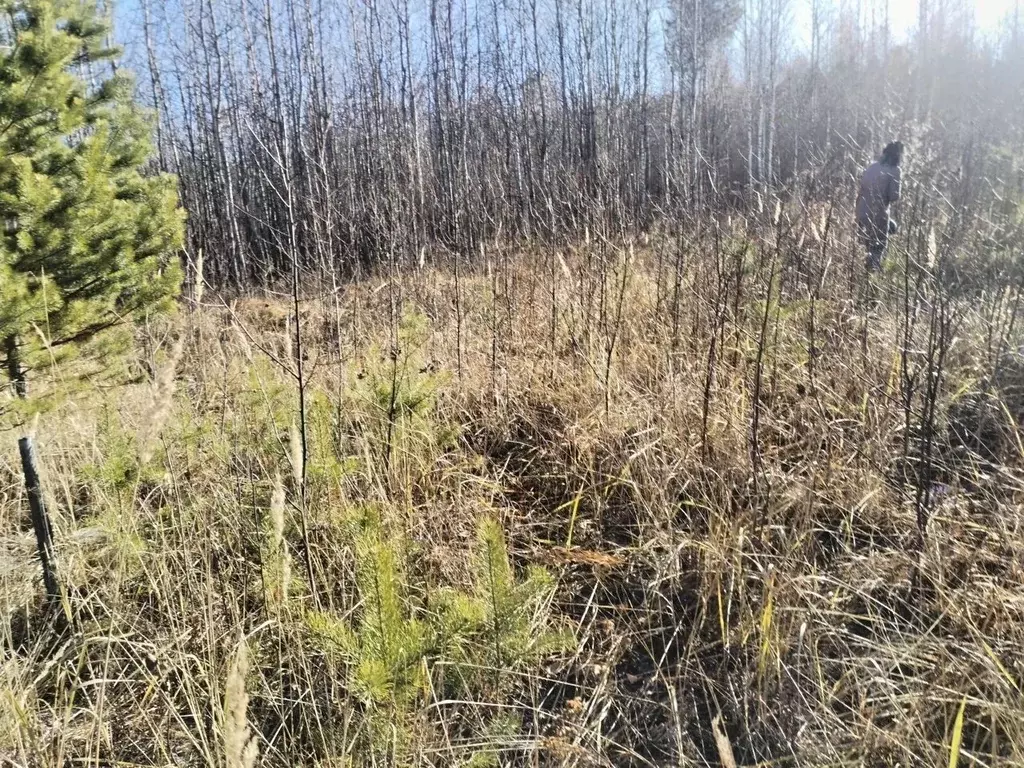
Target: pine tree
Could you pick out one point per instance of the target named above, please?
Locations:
(86, 237)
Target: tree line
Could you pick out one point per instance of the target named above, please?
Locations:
(342, 135)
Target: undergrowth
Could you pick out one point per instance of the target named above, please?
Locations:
(631, 509)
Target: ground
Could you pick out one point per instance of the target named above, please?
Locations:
(731, 527)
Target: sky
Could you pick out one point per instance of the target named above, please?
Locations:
(989, 15)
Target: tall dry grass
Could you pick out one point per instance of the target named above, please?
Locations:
(711, 457)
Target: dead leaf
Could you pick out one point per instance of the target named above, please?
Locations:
(725, 755)
(563, 556)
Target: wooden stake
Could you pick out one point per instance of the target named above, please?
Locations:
(40, 520)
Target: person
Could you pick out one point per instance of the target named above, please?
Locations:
(879, 189)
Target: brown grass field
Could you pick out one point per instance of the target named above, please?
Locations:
(706, 479)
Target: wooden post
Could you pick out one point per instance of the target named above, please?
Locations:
(40, 520)
(37, 506)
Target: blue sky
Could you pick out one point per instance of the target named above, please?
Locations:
(990, 16)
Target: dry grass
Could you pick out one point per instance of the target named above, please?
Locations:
(731, 603)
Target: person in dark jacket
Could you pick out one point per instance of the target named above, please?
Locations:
(879, 189)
